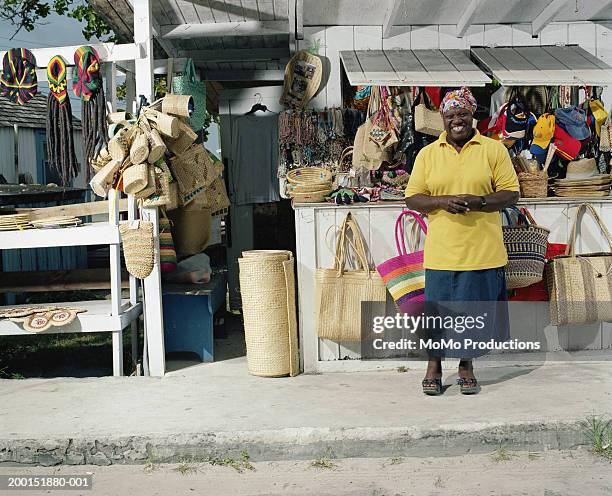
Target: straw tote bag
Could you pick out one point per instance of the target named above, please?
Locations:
(526, 244)
(404, 274)
(186, 84)
(426, 120)
(580, 285)
(339, 292)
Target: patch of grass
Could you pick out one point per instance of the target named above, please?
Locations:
(533, 456)
(149, 466)
(238, 465)
(598, 430)
(501, 454)
(186, 467)
(401, 369)
(396, 460)
(323, 462)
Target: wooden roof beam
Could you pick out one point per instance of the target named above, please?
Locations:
(216, 29)
(236, 54)
(244, 75)
(547, 16)
(467, 18)
(393, 8)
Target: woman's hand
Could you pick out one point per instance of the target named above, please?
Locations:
(454, 204)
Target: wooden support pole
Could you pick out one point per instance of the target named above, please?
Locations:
(154, 318)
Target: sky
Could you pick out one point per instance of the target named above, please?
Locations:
(54, 31)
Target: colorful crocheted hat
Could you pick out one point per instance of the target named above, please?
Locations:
(86, 80)
(18, 80)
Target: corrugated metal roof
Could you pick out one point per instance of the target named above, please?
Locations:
(32, 114)
(544, 65)
(412, 68)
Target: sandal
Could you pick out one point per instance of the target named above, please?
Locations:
(432, 387)
(468, 386)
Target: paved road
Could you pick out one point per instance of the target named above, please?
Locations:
(501, 473)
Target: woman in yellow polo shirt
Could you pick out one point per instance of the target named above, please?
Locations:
(462, 181)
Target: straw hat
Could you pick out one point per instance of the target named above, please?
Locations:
(303, 75)
(585, 168)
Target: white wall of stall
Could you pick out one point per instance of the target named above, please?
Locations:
(328, 41)
(315, 228)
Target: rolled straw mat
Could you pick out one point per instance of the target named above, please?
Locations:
(268, 306)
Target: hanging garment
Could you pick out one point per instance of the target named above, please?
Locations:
(254, 159)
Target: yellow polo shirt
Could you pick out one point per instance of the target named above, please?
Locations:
(470, 241)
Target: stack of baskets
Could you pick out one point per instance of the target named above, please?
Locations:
(309, 184)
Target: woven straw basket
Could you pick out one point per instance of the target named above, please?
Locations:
(309, 176)
(526, 247)
(268, 306)
(533, 184)
(184, 140)
(137, 240)
(313, 197)
(181, 105)
(135, 178)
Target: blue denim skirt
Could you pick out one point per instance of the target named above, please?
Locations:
(487, 287)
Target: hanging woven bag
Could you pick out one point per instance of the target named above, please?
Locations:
(526, 244)
(138, 247)
(186, 84)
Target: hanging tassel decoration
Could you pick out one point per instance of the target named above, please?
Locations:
(60, 142)
(87, 84)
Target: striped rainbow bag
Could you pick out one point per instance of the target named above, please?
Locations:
(404, 275)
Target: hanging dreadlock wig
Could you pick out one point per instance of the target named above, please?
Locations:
(60, 143)
(18, 78)
(87, 83)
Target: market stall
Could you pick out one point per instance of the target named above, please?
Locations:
(577, 175)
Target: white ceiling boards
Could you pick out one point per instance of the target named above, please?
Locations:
(544, 65)
(412, 68)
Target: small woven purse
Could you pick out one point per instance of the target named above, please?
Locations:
(138, 247)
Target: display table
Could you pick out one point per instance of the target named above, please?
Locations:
(317, 223)
(189, 310)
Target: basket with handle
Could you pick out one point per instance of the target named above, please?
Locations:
(404, 274)
(579, 284)
(339, 291)
(525, 243)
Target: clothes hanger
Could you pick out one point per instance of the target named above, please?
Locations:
(257, 106)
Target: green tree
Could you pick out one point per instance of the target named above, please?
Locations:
(26, 14)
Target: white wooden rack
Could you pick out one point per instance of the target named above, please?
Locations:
(112, 315)
(117, 314)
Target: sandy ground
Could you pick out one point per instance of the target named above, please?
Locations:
(501, 473)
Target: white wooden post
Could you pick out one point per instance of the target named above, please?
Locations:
(154, 319)
(115, 272)
(110, 73)
(130, 91)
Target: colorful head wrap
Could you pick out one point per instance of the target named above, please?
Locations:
(86, 80)
(56, 75)
(18, 79)
(461, 98)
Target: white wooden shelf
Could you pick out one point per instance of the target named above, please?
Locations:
(97, 318)
(99, 233)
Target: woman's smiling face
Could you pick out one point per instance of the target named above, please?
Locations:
(458, 124)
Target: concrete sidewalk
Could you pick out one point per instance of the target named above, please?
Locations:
(219, 410)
